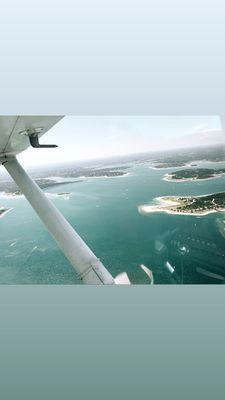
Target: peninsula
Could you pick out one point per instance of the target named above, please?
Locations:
(59, 177)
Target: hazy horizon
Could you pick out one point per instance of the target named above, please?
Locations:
(120, 156)
(84, 138)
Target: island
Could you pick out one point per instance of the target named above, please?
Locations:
(194, 174)
(193, 205)
(105, 173)
(170, 164)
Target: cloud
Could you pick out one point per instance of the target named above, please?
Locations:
(113, 136)
(199, 128)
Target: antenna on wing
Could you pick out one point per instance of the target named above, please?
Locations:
(34, 138)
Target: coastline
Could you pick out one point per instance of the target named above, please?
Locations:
(8, 195)
(12, 196)
(197, 163)
(80, 179)
(189, 165)
(163, 204)
(168, 178)
(107, 176)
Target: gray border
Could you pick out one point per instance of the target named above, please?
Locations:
(116, 57)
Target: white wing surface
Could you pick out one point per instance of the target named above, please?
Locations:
(13, 137)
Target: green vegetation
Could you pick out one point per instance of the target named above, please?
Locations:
(195, 173)
(170, 164)
(199, 204)
(79, 174)
(182, 157)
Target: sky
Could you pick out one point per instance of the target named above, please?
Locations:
(90, 137)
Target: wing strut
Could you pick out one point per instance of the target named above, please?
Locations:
(88, 267)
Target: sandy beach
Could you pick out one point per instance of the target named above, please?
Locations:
(164, 203)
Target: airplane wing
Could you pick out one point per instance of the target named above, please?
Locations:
(16, 134)
(13, 131)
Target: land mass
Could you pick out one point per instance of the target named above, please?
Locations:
(189, 156)
(63, 177)
(194, 174)
(10, 190)
(170, 164)
(195, 205)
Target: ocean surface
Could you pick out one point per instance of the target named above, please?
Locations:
(104, 211)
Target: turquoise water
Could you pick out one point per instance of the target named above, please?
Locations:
(104, 212)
